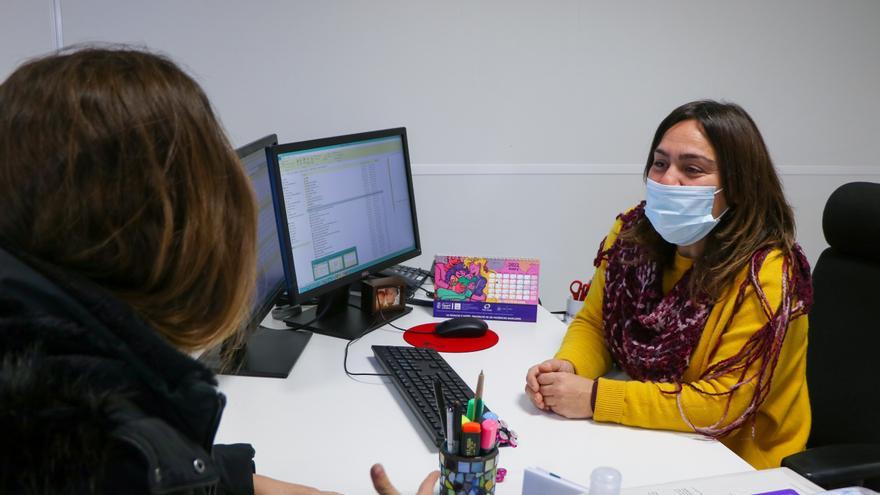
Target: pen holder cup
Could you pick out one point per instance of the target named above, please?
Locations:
(572, 308)
(461, 475)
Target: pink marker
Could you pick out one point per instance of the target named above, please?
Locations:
(488, 432)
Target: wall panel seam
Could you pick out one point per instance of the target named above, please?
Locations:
(428, 169)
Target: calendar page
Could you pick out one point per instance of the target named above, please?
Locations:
(487, 288)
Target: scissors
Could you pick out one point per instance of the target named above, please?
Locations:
(579, 290)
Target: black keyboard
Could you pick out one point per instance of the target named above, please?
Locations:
(413, 371)
(413, 276)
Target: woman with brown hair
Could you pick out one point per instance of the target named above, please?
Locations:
(127, 238)
(700, 295)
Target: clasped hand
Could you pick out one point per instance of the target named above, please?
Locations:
(553, 386)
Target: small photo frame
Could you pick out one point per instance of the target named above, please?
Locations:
(383, 294)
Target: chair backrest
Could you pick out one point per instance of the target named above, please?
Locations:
(843, 355)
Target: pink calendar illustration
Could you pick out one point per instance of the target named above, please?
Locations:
(487, 288)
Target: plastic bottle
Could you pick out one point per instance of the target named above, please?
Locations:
(605, 481)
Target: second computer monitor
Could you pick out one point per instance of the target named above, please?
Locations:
(262, 352)
(350, 213)
(270, 262)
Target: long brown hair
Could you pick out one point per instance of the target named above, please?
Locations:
(759, 216)
(114, 167)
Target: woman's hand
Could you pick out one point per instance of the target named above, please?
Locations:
(566, 394)
(533, 388)
(268, 486)
(383, 485)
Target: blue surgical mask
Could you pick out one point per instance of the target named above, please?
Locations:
(682, 215)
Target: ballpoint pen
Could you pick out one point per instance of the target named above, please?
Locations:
(451, 439)
(441, 405)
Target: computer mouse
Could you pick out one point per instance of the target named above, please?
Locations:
(464, 327)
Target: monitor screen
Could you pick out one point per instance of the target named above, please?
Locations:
(349, 208)
(270, 265)
(263, 352)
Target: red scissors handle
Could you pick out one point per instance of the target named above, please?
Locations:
(578, 290)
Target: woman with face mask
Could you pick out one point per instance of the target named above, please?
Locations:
(700, 296)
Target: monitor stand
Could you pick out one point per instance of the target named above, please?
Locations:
(341, 316)
(267, 353)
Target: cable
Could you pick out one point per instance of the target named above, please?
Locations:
(345, 359)
(408, 329)
(381, 314)
(299, 326)
(392, 325)
(352, 341)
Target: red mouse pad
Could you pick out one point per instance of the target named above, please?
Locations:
(423, 336)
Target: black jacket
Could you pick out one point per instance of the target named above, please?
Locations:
(94, 400)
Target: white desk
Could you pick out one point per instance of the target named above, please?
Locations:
(321, 428)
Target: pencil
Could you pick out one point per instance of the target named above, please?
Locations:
(478, 398)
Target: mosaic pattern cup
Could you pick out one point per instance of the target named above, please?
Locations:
(467, 475)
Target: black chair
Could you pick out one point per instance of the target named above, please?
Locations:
(843, 354)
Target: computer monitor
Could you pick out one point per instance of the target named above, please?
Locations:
(266, 352)
(350, 214)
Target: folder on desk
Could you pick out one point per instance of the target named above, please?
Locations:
(777, 481)
(537, 481)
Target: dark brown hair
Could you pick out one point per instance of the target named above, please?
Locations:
(114, 167)
(758, 215)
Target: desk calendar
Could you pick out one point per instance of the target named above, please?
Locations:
(487, 288)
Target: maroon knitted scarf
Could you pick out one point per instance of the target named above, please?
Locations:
(651, 336)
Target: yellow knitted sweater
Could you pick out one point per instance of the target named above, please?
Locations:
(782, 423)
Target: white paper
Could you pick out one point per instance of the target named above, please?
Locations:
(779, 481)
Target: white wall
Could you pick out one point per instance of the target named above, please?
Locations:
(561, 217)
(540, 111)
(26, 30)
